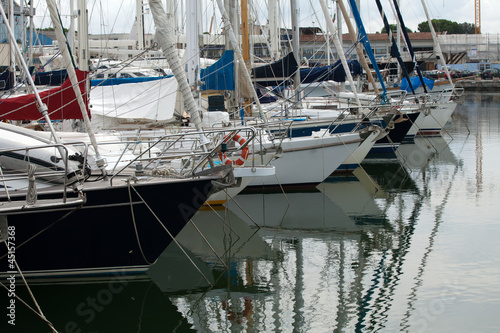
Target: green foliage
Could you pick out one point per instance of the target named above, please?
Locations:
(450, 27)
(393, 29)
(46, 29)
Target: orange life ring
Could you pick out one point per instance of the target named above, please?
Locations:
(244, 151)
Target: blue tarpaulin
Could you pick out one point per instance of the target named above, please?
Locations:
(220, 75)
(415, 82)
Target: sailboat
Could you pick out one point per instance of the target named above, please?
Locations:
(331, 113)
(64, 221)
(436, 110)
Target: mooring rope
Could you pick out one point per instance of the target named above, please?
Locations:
(130, 186)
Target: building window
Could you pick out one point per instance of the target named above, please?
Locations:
(483, 66)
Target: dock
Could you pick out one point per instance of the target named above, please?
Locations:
(479, 85)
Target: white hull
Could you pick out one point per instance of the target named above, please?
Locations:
(353, 161)
(432, 122)
(243, 176)
(309, 160)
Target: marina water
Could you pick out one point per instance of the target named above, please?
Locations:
(408, 244)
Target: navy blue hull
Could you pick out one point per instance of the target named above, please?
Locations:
(396, 136)
(101, 234)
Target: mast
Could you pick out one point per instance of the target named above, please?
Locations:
(245, 50)
(368, 47)
(165, 36)
(408, 44)
(394, 47)
(358, 47)
(83, 41)
(192, 42)
(233, 101)
(83, 61)
(12, 43)
(340, 49)
(234, 43)
(274, 32)
(437, 47)
(295, 48)
(32, 32)
(398, 39)
(339, 34)
(71, 39)
(245, 34)
(139, 21)
(23, 30)
(193, 23)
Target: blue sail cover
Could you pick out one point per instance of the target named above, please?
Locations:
(277, 73)
(220, 75)
(415, 81)
(51, 78)
(118, 81)
(333, 72)
(6, 80)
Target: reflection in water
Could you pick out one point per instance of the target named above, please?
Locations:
(327, 249)
(355, 254)
(116, 305)
(329, 259)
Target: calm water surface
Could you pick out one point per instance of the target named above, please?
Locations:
(403, 245)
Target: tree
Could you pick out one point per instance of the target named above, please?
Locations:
(394, 29)
(450, 27)
(466, 28)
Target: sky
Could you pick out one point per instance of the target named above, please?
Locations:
(117, 16)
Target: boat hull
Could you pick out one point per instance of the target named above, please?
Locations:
(357, 156)
(307, 161)
(390, 143)
(103, 235)
(435, 119)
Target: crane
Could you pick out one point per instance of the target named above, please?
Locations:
(477, 15)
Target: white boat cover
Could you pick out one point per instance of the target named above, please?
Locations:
(151, 100)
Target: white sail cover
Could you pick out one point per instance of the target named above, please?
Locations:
(151, 100)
